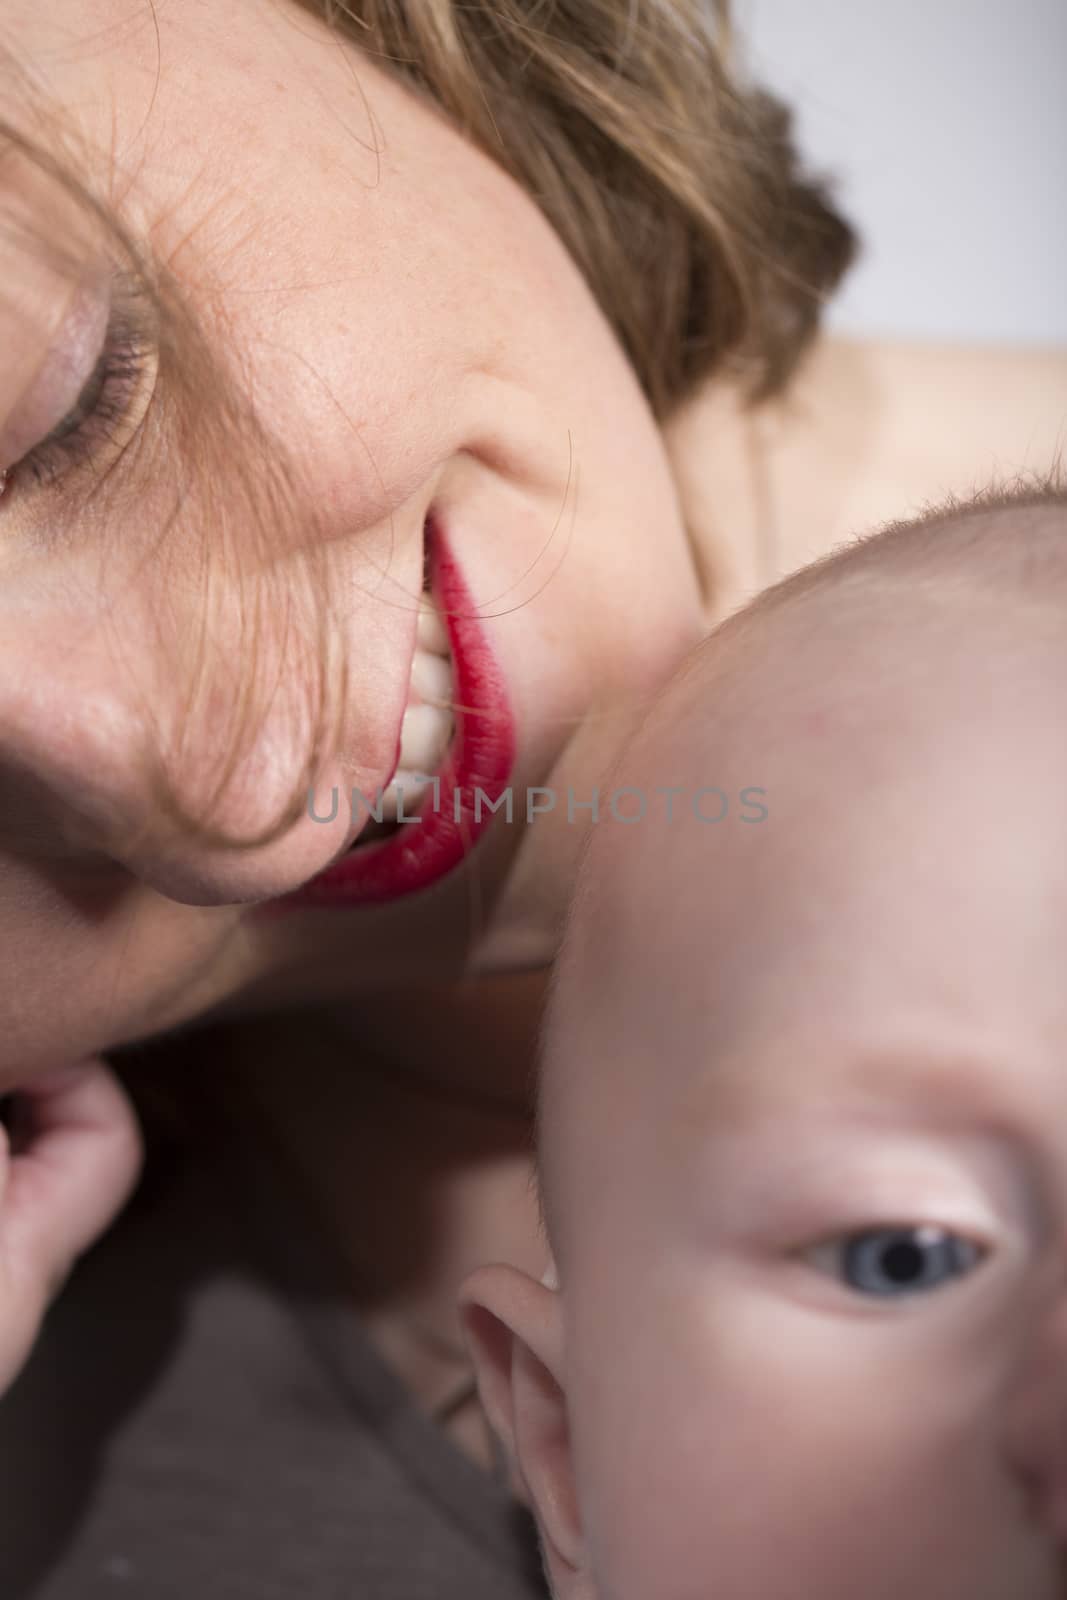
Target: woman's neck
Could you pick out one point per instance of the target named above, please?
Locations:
(471, 1041)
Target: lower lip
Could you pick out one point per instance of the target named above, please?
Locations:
(479, 761)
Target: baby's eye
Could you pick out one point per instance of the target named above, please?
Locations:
(895, 1261)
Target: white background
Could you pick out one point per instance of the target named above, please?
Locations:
(946, 121)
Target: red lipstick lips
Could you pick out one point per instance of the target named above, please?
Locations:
(455, 810)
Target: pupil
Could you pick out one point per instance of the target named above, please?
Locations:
(902, 1262)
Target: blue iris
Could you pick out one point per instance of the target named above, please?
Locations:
(896, 1261)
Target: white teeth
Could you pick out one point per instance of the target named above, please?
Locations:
(413, 792)
(427, 726)
(431, 677)
(431, 633)
(424, 735)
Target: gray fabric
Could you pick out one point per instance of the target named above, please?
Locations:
(203, 1417)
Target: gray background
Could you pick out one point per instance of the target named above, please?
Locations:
(946, 121)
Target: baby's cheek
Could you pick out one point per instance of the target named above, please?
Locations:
(652, 1483)
(725, 1443)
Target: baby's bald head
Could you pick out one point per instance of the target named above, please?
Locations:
(803, 1117)
(890, 703)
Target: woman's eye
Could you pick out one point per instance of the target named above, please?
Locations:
(102, 408)
(893, 1261)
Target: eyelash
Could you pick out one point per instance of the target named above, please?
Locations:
(103, 403)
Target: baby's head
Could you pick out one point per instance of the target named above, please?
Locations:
(803, 1126)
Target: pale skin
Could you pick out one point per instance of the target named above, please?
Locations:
(67, 1165)
(382, 292)
(335, 341)
(776, 1053)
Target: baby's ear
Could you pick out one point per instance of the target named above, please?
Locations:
(513, 1326)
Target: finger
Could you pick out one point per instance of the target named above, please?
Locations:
(72, 1166)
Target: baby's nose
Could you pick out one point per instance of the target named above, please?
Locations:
(1036, 1437)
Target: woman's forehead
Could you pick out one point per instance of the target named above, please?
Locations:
(181, 103)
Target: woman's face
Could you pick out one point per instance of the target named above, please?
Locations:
(400, 316)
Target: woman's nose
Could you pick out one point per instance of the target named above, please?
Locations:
(82, 711)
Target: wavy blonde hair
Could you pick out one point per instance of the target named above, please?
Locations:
(671, 180)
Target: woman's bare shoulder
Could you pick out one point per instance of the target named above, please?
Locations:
(868, 431)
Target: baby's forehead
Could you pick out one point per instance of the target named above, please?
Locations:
(897, 914)
(882, 655)
(840, 763)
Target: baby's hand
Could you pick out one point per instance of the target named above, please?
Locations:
(67, 1165)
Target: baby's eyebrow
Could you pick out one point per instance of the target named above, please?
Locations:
(971, 1090)
(966, 1091)
(917, 1090)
